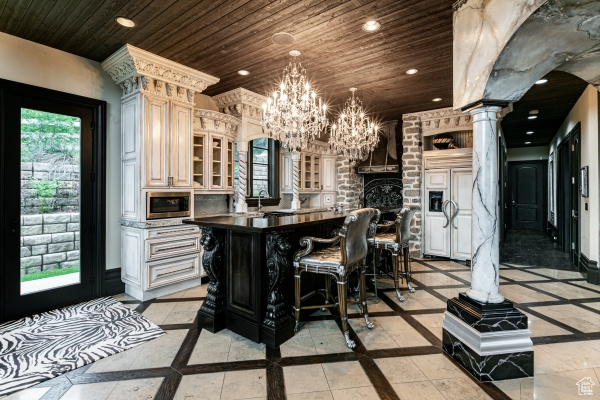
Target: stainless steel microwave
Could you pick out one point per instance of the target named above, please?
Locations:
(168, 205)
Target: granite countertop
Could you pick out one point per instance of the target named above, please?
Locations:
(272, 223)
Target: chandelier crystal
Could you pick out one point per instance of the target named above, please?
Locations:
(354, 135)
(293, 114)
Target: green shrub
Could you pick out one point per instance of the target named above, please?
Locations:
(45, 189)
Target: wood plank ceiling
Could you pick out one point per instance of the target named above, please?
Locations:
(220, 37)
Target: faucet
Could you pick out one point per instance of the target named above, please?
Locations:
(259, 193)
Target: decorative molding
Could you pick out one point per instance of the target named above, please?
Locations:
(240, 102)
(131, 62)
(441, 120)
(230, 122)
(590, 268)
(318, 146)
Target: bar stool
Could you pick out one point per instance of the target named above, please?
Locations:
(397, 242)
(347, 253)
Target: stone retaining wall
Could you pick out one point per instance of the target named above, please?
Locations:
(64, 199)
(49, 241)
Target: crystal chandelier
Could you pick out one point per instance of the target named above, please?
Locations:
(353, 135)
(292, 114)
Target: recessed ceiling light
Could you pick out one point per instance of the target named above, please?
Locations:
(126, 22)
(283, 38)
(437, 99)
(412, 71)
(529, 132)
(532, 117)
(541, 81)
(532, 112)
(371, 26)
(243, 72)
(527, 142)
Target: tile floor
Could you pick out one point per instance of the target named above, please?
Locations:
(400, 359)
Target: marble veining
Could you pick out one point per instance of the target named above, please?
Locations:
(491, 321)
(492, 367)
(484, 223)
(151, 224)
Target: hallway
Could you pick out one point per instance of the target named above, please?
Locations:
(533, 248)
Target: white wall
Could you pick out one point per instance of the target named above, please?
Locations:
(586, 112)
(527, 153)
(34, 64)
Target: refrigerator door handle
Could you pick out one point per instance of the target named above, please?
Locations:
(454, 214)
(446, 202)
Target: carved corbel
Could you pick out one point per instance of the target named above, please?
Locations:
(158, 85)
(170, 89)
(203, 122)
(190, 96)
(217, 123)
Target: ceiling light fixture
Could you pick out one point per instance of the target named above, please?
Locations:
(529, 133)
(437, 99)
(412, 71)
(534, 112)
(527, 142)
(126, 22)
(354, 135)
(541, 81)
(243, 72)
(532, 117)
(292, 114)
(371, 26)
(283, 38)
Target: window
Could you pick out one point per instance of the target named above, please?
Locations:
(263, 167)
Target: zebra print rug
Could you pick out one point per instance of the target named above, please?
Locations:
(43, 346)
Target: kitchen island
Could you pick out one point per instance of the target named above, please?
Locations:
(248, 260)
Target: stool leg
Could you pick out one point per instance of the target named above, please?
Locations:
(343, 307)
(363, 297)
(407, 271)
(376, 260)
(296, 297)
(395, 266)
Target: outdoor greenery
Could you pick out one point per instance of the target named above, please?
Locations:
(45, 190)
(49, 137)
(49, 274)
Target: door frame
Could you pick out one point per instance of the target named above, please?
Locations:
(544, 183)
(9, 90)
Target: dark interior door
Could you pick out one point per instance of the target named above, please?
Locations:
(575, 193)
(564, 197)
(527, 183)
(51, 202)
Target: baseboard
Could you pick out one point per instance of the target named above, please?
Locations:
(112, 282)
(590, 269)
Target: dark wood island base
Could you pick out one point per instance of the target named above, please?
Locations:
(248, 261)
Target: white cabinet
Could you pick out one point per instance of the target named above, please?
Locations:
(213, 151)
(167, 141)
(287, 172)
(310, 172)
(159, 261)
(329, 174)
(317, 177)
(447, 203)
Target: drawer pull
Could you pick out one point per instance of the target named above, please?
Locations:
(174, 247)
(175, 231)
(174, 272)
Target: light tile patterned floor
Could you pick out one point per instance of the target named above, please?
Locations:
(400, 358)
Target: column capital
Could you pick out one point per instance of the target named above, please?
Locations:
(484, 104)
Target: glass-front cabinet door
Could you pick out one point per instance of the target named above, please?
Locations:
(198, 161)
(307, 172)
(316, 169)
(216, 166)
(229, 165)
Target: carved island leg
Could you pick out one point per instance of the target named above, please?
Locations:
(277, 326)
(211, 315)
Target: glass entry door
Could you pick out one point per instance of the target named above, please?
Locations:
(48, 206)
(50, 200)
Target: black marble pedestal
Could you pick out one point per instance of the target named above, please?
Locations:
(491, 341)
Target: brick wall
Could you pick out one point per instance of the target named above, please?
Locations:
(349, 183)
(412, 157)
(49, 241)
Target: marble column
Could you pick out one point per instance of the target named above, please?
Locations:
(296, 181)
(240, 202)
(482, 331)
(485, 251)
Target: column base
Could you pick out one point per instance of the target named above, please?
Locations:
(241, 207)
(296, 205)
(491, 341)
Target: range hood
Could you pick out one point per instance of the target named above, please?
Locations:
(385, 156)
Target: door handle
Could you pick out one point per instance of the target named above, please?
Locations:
(454, 214)
(513, 202)
(446, 202)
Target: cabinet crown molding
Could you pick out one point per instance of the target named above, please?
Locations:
(239, 96)
(441, 120)
(130, 61)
